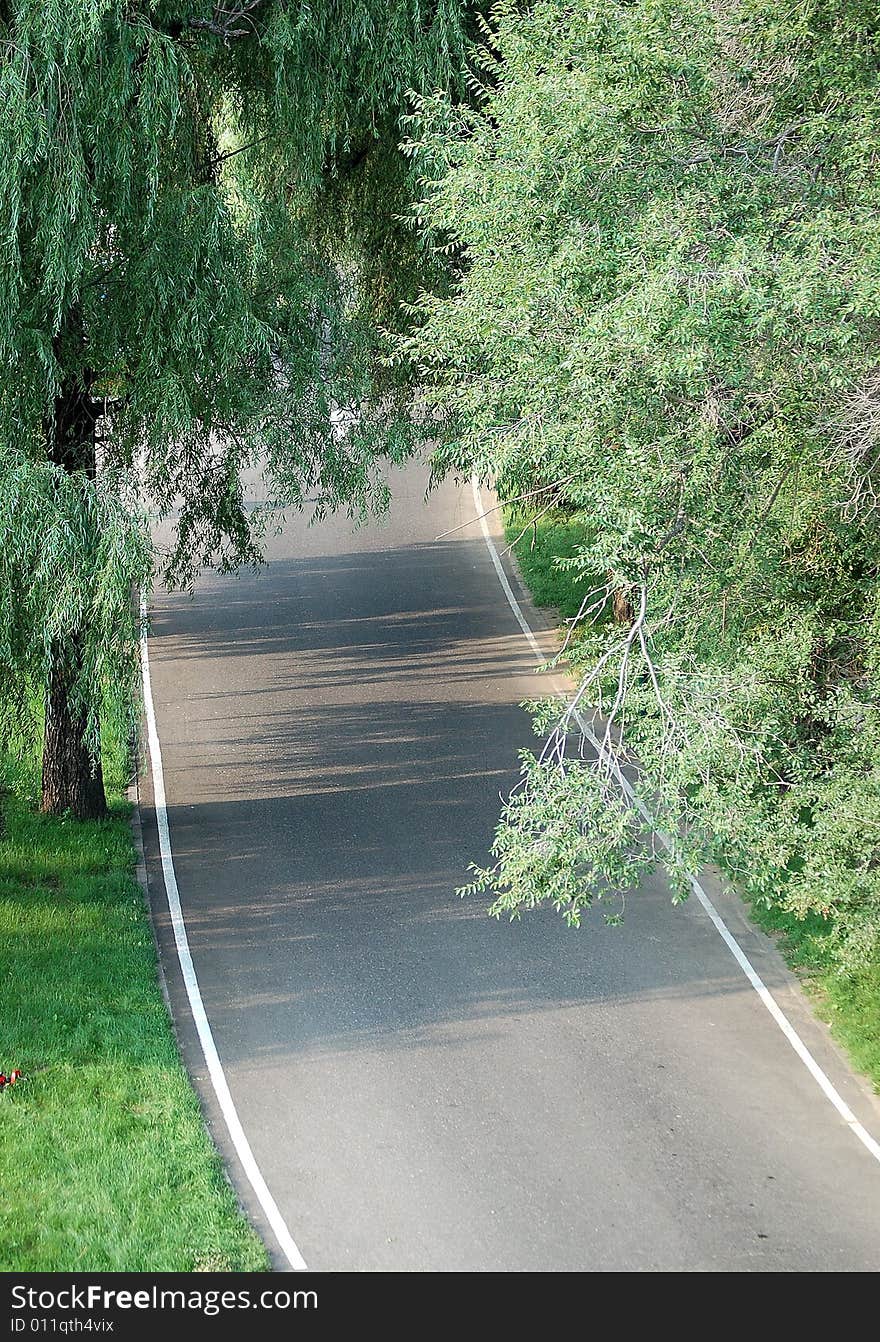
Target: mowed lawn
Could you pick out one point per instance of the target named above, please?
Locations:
(104, 1160)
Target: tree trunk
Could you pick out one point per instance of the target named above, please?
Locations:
(72, 777)
(73, 780)
(621, 607)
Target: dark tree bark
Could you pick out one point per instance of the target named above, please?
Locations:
(73, 780)
(72, 776)
(621, 607)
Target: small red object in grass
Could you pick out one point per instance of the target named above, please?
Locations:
(10, 1080)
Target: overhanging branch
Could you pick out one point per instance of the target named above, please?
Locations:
(228, 23)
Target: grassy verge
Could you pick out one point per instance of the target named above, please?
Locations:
(850, 1003)
(105, 1163)
(552, 537)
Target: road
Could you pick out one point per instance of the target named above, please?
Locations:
(424, 1088)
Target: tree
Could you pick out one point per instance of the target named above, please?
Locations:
(664, 220)
(165, 302)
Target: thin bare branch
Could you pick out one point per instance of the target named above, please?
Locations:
(223, 22)
(528, 494)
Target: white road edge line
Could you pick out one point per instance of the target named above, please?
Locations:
(187, 969)
(754, 978)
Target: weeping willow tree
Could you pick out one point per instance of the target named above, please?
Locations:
(166, 296)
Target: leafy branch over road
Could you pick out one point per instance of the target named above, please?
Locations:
(663, 222)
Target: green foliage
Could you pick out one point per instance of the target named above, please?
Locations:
(163, 255)
(847, 998)
(568, 836)
(543, 545)
(663, 221)
(55, 529)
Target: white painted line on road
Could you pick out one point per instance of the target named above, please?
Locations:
(718, 922)
(502, 576)
(193, 992)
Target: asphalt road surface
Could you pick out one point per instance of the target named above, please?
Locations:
(422, 1087)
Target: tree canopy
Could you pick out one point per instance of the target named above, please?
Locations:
(665, 225)
(639, 289)
(170, 312)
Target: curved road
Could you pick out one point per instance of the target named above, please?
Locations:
(424, 1088)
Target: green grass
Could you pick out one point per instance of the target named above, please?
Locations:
(105, 1163)
(850, 1003)
(551, 537)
